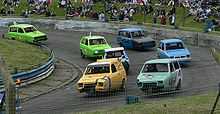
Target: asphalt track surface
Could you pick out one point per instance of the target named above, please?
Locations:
(200, 76)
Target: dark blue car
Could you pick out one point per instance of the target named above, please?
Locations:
(175, 49)
(134, 38)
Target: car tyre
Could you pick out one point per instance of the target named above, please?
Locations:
(178, 87)
(82, 55)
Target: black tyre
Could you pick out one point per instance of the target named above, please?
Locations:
(82, 55)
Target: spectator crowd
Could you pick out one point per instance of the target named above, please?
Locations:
(161, 11)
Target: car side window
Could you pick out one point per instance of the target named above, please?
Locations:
(13, 29)
(113, 68)
(83, 41)
(128, 34)
(86, 41)
(20, 30)
(171, 68)
(176, 65)
(162, 46)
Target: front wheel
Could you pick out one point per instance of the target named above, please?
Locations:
(82, 55)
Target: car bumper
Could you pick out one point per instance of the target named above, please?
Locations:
(153, 85)
(185, 60)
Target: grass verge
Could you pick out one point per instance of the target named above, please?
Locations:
(198, 104)
(20, 56)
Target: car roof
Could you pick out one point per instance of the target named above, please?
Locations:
(99, 63)
(114, 49)
(93, 37)
(171, 40)
(131, 29)
(21, 25)
(110, 60)
(160, 61)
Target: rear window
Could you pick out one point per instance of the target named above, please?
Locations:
(114, 54)
(159, 67)
(29, 29)
(13, 29)
(97, 41)
(175, 45)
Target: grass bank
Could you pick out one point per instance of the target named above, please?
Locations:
(198, 104)
(20, 56)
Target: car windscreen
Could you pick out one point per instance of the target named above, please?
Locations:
(114, 54)
(156, 67)
(97, 41)
(29, 29)
(137, 34)
(176, 45)
(97, 69)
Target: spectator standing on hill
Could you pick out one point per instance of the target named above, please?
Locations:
(154, 18)
(163, 19)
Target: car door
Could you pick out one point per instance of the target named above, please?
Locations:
(84, 46)
(12, 32)
(115, 77)
(179, 73)
(161, 51)
(20, 35)
(173, 77)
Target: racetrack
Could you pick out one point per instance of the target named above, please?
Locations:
(201, 73)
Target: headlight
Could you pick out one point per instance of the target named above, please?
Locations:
(187, 55)
(100, 84)
(80, 84)
(96, 51)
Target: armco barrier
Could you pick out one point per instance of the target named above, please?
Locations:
(34, 75)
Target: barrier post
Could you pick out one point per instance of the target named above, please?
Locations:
(9, 88)
(216, 100)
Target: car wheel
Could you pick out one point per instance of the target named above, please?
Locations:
(178, 87)
(82, 55)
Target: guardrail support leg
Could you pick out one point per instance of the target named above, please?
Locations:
(216, 100)
(9, 88)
